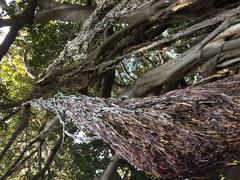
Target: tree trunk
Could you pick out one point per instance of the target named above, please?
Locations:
(181, 134)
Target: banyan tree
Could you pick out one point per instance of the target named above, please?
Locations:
(178, 116)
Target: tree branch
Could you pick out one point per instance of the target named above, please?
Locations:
(23, 124)
(10, 105)
(74, 13)
(6, 22)
(41, 137)
(26, 18)
(190, 60)
(108, 80)
(180, 134)
(49, 160)
(111, 168)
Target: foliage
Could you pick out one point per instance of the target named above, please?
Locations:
(46, 41)
(14, 77)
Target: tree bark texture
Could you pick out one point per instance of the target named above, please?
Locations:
(181, 134)
(219, 50)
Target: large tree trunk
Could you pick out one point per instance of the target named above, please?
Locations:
(181, 134)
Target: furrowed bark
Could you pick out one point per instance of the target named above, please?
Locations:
(84, 74)
(181, 134)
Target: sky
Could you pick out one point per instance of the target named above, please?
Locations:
(3, 33)
(4, 30)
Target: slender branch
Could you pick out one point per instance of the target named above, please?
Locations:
(126, 71)
(41, 137)
(49, 160)
(29, 70)
(74, 13)
(23, 124)
(18, 164)
(13, 167)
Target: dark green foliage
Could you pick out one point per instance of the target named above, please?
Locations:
(46, 41)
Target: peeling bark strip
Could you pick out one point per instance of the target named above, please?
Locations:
(183, 133)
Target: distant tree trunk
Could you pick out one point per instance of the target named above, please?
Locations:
(181, 134)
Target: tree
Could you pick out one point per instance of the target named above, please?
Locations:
(126, 35)
(179, 134)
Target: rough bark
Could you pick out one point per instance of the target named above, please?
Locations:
(157, 13)
(217, 50)
(181, 134)
(107, 85)
(85, 73)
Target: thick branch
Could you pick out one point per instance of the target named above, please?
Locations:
(183, 133)
(26, 18)
(100, 61)
(190, 60)
(109, 172)
(108, 80)
(6, 22)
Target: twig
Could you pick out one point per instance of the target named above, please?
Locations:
(126, 71)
